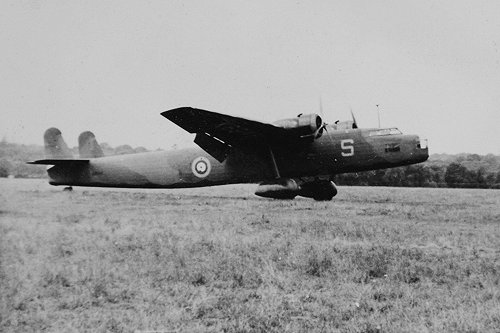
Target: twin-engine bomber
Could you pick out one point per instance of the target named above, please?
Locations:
(292, 157)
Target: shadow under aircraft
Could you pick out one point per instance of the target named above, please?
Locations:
(291, 157)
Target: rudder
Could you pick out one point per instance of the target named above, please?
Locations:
(88, 146)
(55, 147)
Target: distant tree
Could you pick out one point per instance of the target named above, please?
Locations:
(459, 176)
(394, 177)
(124, 149)
(491, 162)
(454, 175)
(353, 179)
(5, 167)
(377, 178)
(473, 157)
(480, 178)
(140, 150)
(417, 175)
(490, 180)
(107, 149)
(437, 175)
(23, 170)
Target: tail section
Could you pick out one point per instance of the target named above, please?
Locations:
(88, 146)
(55, 147)
(65, 170)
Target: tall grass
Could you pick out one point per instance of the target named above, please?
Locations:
(372, 260)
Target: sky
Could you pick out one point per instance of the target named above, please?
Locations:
(112, 67)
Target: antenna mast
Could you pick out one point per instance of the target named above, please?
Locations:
(378, 113)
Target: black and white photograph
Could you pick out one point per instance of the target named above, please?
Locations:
(250, 166)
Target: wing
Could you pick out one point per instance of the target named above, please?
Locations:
(63, 162)
(232, 131)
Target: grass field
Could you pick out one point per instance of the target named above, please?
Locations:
(223, 260)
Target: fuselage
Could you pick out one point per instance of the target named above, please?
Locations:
(335, 152)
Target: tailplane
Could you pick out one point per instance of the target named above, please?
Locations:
(55, 147)
(65, 169)
(88, 146)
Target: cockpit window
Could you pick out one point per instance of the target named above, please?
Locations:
(422, 144)
(386, 131)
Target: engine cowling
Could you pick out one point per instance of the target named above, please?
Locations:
(304, 126)
(320, 190)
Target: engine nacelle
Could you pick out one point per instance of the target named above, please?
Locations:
(280, 189)
(320, 190)
(310, 125)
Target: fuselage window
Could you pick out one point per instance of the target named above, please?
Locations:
(392, 147)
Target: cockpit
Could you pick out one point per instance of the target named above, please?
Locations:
(385, 131)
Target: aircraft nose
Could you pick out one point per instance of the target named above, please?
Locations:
(421, 149)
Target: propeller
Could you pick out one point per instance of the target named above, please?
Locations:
(322, 114)
(354, 122)
(324, 127)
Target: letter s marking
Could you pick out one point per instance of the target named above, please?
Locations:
(347, 146)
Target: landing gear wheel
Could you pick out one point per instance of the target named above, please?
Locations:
(323, 198)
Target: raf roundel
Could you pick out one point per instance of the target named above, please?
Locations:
(201, 167)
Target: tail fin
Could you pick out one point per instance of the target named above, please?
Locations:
(55, 147)
(88, 146)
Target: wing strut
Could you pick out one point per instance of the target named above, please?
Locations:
(275, 165)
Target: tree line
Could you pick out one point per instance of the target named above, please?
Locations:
(13, 158)
(441, 170)
(458, 171)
